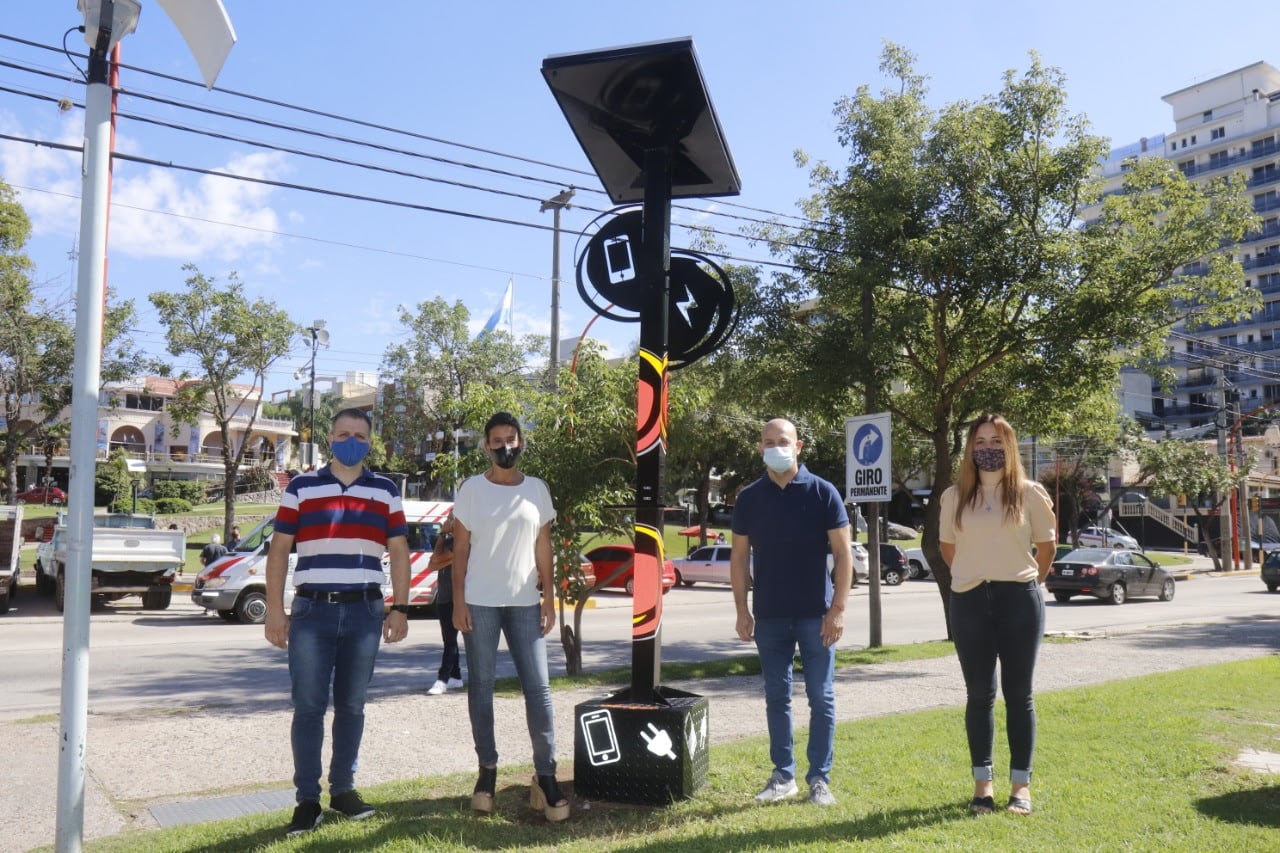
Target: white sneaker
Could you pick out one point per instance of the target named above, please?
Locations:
(454, 683)
(779, 788)
(437, 688)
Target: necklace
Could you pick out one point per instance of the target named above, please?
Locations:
(986, 499)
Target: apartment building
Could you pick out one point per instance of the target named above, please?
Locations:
(1224, 125)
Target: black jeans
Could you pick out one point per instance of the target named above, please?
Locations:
(449, 667)
(999, 621)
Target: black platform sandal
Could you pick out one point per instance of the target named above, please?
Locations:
(483, 795)
(982, 805)
(1019, 805)
(545, 796)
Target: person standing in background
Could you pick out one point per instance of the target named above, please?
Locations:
(450, 675)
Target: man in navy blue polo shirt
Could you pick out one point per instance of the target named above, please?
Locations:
(782, 526)
(342, 519)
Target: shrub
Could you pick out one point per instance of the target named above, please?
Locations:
(146, 506)
(191, 491)
(172, 506)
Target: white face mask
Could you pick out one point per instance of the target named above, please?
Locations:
(779, 459)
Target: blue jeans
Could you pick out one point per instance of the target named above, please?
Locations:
(999, 621)
(777, 640)
(338, 643)
(523, 630)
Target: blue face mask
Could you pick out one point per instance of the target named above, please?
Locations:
(350, 451)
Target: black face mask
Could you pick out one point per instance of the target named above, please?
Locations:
(505, 457)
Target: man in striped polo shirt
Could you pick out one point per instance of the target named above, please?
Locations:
(341, 518)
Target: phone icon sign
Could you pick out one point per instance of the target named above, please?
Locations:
(602, 743)
(619, 260)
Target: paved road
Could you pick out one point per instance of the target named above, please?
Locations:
(182, 657)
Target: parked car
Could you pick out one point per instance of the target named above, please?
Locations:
(605, 560)
(588, 577)
(1271, 571)
(893, 564)
(709, 564)
(1105, 537)
(861, 562)
(1112, 575)
(917, 563)
(41, 495)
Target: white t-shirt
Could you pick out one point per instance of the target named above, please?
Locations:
(504, 522)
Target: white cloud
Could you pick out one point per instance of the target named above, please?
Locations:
(145, 199)
(194, 233)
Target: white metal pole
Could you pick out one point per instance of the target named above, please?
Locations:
(73, 718)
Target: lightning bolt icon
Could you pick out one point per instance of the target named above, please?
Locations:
(683, 305)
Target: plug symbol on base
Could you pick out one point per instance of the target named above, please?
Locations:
(658, 741)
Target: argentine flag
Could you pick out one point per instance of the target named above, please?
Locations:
(501, 314)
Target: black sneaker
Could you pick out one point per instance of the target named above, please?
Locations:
(306, 817)
(351, 805)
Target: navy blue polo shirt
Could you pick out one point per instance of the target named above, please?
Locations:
(787, 529)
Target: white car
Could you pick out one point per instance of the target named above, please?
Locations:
(861, 562)
(917, 564)
(709, 564)
(1105, 537)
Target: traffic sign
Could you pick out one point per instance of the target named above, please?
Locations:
(868, 445)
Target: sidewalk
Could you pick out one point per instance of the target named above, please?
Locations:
(174, 765)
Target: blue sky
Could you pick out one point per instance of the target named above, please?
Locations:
(469, 73)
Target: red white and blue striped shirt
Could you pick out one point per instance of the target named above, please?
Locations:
(340, 532)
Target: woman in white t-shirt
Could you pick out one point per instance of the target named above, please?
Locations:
(501, 556)
(997, 533)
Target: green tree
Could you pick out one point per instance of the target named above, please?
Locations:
(949, 258)
(434, 371)
(229, 337)
(1191, 468)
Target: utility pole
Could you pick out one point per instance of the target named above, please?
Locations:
(1224, 509)
(1242, 501)
(555, 204)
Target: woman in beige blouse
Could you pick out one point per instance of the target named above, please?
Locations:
(997, 533)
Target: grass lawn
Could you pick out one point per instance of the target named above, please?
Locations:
(1142, 764)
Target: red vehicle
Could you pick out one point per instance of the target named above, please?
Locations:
(41, 495)
(606, 559)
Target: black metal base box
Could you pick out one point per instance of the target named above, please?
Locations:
(647, 753)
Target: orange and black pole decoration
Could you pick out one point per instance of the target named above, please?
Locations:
(643, 118)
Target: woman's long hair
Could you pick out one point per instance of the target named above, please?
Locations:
(1011, 478)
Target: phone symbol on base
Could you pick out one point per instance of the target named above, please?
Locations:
(618, 259)
(602, 743)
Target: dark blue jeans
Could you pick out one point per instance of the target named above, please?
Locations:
(777, 640)
(1004, 622)
(335, 643)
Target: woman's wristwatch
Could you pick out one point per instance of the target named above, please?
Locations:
(400, 608)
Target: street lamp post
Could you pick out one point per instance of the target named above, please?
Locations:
(555, 204)
(207, 30)
(319, 338)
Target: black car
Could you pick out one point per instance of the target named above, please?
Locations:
(1112, 575)
(1271, 571)
(893, 564)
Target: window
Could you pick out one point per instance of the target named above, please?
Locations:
(1217, 133)
(1207, 115)
(1193, 139)
(1218, 159)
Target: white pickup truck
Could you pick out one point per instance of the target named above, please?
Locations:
(130, 557)
(10, 545)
